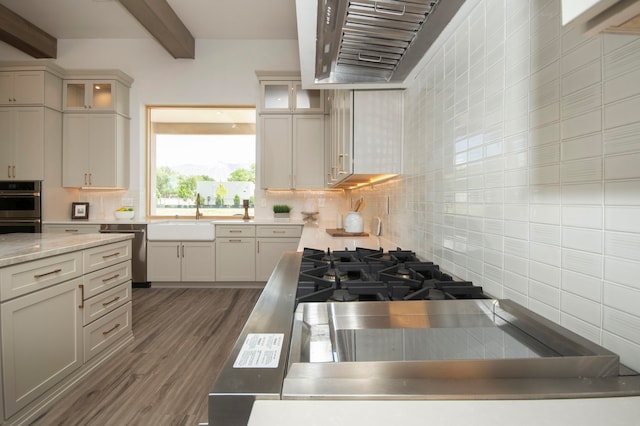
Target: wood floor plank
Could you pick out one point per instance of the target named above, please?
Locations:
(182, 338)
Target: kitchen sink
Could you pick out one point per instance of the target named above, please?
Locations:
(181, 230)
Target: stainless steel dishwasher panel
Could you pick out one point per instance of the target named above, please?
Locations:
(138, 248)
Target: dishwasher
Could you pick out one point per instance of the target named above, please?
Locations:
(138, 248)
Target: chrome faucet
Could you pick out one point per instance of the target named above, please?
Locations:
(198, 214)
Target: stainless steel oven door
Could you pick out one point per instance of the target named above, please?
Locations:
(20, 200)
(29, 226)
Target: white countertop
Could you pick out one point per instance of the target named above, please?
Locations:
(584, 412)
(266, 221)
(18, 248)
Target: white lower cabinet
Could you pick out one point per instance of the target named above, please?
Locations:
(57, 313)
(181, 261)
(41, 342)
(272, 242)
(235, 259)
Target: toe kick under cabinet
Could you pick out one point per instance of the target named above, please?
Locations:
(58, 313)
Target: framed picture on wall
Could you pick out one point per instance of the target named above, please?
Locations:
(79, 210)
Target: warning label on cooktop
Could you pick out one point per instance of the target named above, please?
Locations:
(260, 350)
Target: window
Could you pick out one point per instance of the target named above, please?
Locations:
(204, 151)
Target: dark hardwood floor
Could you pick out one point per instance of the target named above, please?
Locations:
(182, 338)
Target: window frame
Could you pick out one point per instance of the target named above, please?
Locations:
(151, 165)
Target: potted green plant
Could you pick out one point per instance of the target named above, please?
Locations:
(281, 211)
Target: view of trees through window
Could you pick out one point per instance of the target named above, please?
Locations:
(208, 152)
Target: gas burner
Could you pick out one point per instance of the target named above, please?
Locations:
(342, 296)
(373, 275)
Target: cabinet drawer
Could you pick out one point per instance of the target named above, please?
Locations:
(24, 278)
(103, 256)
(278, 231)
(104, 331)
(71, 229)
(235, 231)
(106, 302)
(104, 279)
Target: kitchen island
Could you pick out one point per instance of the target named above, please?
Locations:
(65, 304)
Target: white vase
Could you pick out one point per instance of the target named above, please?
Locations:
(353, 223)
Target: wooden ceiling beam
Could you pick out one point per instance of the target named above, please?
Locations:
(23, 35)
(161, 21)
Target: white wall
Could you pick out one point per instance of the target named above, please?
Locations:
(522, 167)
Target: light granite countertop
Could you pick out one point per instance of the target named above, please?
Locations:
(19, 248)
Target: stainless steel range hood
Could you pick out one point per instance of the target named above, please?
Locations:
(367, 41)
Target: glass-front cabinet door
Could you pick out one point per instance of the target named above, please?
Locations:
(289, 96)
(88, 95)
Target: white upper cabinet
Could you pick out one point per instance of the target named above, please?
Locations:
(22, 88)
(289, 96)
(95, 95)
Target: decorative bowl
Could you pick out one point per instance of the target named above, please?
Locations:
(122, 215)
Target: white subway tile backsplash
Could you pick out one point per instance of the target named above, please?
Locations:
(582, 147)
(582, 239)
(583, 124)
(622, 298)
(580, 261)
(582, 285)
(581, 308)
(622, 219)
(581, 78)
(542, 292)
(522, 167)
(544, 175)
(622, 139)
(622, 86)
(586, 330)
(547, 274)
(516, 282)
(545, 253)
(622, 324)
(622, 271)
(582, 55)
(626, 111)
(516, 229)
(587, 170)
(584, 193)
(548, 234)
(622, 193)
(622, 60)
(622, 166)
(545, 213)
(582, 216)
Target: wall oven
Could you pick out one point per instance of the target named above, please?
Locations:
(20, 207)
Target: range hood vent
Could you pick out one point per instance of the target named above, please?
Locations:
(368, 41)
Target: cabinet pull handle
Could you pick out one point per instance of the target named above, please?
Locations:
(279, 232)
(14, 171)
(106, 256)
(55, 271)
(9, 171)
(85, 178)
(258, 246)
(235, 241)
(81, 306)
(115, 299)
(71, 230)
(90, 183)
(235, 231)
(177, 251)
(182, 251)
(104, 280)
(104, 333)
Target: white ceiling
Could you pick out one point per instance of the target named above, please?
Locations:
(205, 19)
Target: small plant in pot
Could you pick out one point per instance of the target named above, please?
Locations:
(281, 211)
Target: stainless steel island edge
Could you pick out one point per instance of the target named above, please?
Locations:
(235, 390)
